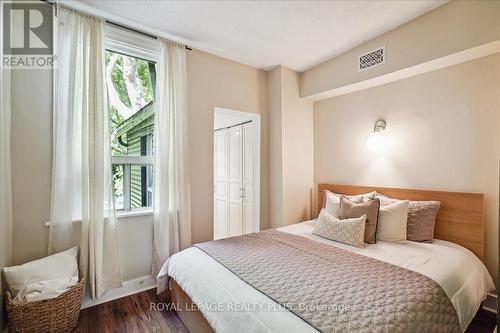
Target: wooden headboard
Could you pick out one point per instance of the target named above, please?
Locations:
(460, 218)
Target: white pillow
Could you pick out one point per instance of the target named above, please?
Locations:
(59, 265)
(392, 222)
(347, 231)
(332, 200)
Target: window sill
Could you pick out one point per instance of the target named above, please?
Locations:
(120, 215)
(134, 213)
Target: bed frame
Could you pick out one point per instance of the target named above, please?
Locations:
(460, 220)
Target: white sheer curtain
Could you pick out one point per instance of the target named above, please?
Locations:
(171, 196)
(82, 206)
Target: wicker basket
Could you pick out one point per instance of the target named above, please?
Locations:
(58, 314)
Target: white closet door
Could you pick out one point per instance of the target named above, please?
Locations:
(248, 195)
(235, 181)
(221, 184)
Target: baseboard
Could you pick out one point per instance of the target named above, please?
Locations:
(129, 288)
(490, 303)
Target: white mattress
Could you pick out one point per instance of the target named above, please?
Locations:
(229, 304)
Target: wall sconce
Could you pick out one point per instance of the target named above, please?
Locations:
(375, 140)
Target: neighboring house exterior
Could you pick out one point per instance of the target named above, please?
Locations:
(136, 134)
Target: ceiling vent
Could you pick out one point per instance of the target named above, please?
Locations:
(372, 59)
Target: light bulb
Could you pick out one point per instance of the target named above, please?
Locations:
(375, 141)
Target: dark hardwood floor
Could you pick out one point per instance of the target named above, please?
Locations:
(134, 314)
(483, 322)
(130, 314)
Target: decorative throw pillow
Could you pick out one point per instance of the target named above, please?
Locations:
(332, 200)
(349, 231)
(349, 209)
(421, 218)
(60, 265)
(392, 221)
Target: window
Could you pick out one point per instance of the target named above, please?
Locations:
(130, 83)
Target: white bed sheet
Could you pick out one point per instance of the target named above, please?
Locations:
(229, 304)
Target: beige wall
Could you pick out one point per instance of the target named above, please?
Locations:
(217, 82)
(31, 162)
(443, 132)
(290, 147)
(212, 81)
(275, 147)
(298, 159)
(453, 27)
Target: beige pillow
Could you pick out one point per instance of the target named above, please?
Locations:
(332, 200)
(60, 265)
(349, 209)
(392, 222)
(421, 218)
(348, 231)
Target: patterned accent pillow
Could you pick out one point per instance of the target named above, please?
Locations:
(370, 208)
(421, 218)
(349, 231)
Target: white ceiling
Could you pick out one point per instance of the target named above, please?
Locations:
(263, 34)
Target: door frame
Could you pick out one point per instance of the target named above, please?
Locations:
(256, 125)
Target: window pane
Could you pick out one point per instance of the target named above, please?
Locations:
(140, 186)
(118, 185)
(130, 83)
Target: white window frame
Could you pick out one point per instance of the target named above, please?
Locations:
(127, 162)
(135, 44)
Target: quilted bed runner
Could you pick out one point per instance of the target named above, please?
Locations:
(332, 289)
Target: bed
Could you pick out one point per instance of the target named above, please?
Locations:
(228, 303)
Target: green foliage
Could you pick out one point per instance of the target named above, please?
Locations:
(144, 76)
(119, 81)
(117, 171)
